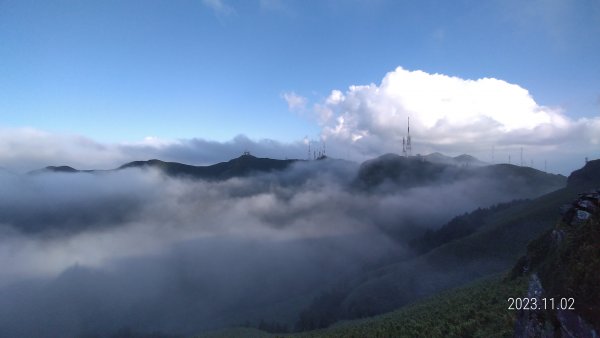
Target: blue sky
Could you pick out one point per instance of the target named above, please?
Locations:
(119, 71)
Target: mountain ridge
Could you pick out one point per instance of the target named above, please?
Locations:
(417, 171)
(241, 166)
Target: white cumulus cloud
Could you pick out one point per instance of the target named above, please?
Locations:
(447, 114)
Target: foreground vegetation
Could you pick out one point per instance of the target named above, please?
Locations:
(478, 310)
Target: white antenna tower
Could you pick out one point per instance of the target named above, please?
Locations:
(308, 158)
(404, 147)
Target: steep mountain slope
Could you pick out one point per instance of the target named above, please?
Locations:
(563, 262)
(492, 248)
(459, 227)
(563, 265)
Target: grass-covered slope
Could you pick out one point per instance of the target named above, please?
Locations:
(477, 310)
(491, 249)
(459, 227)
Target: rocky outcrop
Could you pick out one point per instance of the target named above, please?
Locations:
(564, 264)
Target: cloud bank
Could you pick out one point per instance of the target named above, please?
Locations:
(90, 253)
(26, 149)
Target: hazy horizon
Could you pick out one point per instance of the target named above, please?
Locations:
(97, 84)
(167, 250)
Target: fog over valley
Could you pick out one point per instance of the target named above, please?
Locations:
(300, 169)
(95, 252)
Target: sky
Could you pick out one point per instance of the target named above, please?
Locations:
(98, 83)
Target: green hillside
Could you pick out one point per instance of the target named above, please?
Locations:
(493, 248)
(477, 310)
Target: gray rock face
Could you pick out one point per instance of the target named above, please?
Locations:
(572, 325)
(531, 323)
(558, 322)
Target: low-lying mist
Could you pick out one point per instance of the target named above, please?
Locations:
(90, 253)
